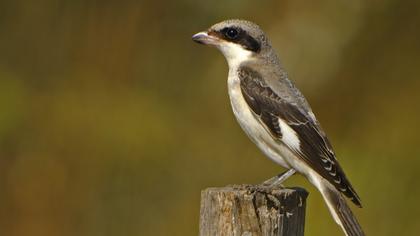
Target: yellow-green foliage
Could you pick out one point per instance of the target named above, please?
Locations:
(112, 120)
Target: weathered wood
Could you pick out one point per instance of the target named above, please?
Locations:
(244, 210)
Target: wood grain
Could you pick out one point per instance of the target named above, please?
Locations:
(252, 210)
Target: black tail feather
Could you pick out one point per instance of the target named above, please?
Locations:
(342, 212)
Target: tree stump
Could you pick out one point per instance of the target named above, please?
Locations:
(244, 210)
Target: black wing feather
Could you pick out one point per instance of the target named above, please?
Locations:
(315, 148)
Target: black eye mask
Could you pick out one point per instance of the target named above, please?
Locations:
(239, 36)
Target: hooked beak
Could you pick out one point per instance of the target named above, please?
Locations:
(205, 38)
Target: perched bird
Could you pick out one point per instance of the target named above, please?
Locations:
(277, 118)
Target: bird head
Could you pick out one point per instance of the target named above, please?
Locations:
(238, 40)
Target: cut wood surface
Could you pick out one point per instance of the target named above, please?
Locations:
(252, 210)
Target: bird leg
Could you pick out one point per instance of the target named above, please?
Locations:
(279, 179)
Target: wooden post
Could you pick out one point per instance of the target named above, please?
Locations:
(244, 210)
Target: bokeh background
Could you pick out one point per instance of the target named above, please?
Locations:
(112, 120)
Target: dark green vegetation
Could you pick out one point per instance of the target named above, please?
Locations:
(112, 120)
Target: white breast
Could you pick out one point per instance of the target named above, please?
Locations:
(275, 150)
(250, 123)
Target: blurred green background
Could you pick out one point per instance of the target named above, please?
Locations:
(112, 120)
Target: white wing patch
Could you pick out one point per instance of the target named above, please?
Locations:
(289, 136)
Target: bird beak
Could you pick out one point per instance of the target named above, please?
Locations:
(205, 38)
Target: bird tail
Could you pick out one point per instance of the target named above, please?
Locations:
(341, 211)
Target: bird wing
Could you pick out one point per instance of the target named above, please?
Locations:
(292, 125)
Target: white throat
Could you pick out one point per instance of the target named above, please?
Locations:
(234, 54)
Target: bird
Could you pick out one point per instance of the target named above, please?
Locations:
(277, 118)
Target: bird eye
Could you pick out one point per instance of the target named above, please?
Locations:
(231, 33)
